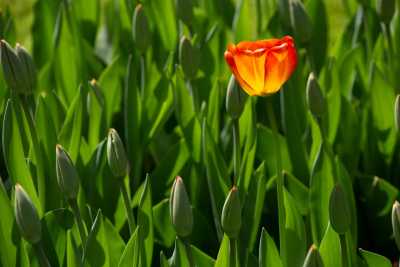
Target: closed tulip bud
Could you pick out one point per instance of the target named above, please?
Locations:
(385, 10)
(397, 112)
(116, 155)
(300, 21)
(26, 216)
(67, 176)
(184, 10)
(315, 98)
(188, 58)
(231, 218)
(396, 223)
(235, 99)
(27, 63)
(140, 29)
(313, 258)
(180, 209)
(14, 71)
(339, 211)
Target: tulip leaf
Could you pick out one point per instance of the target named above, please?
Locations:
(179, 256)
(372, 259)
(131, 255)
(164, 231)
(330, 248)
(268, 253)
(201, 258)
(145, 222)
(223, 253)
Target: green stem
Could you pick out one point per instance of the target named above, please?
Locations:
(189, 252)
(127, 203)
(43, 261)
(195, 96)
(279, 184)
(232, 252)
(236, 151)
(29, 114)
(78, 218)
(346, 261)
(142, 74)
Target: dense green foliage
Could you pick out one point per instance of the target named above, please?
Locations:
(104, 64)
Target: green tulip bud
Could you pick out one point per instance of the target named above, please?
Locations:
(397, 113)
(26, 216)
(67, 176)
(313, 258)
(315, 98)
(180, 209)
(339, 211)
(235, 99)
(300, 21)
(14, 71)
(184, 10)
(385, 10)
(231, 218)
(116, 155)
(188, 58)
(396, 222)
(27, 63)
(140, 29)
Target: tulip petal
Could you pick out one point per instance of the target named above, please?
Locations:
(251, 69)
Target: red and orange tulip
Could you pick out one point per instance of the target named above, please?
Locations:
(262, 67)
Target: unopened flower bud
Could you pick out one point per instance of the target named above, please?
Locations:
(14, 71)
(231, 218)
(116, 155)
(315, 98)
(313, 258)
(396, 222)
(188, 58)
(184, 10)
(28, 64)
(180, 209)
(339, 211)
(140, 29)
(385, 10)
(67, 176)
(300, 21)
(26, 216)
(397, 112)
(235, 99)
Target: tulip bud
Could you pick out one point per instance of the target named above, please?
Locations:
(396, 222)
(188, 58)
(385, 10)
(231, 218)
(26, 216)
(184, 10)
(339, 211)
(14, 71)
(300, 21)
(397, 112)
(313, 258)
(67, 176)
(116, 155)
(315, 98)
(140, 29)
(235, 99)
(180, 209)
(27, 63)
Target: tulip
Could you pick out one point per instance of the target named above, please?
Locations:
(397, 112)
(188, 57)
(385, 10)
(339, 210)
(26, 216)
(300, 21)
(140, 29)
(27, 63)
(262, 67)
(231, 219)
(180, 209)
(396, 223)
(315, 98)
(67, 176)
(235, 99)
(313, 258)
(116, 155)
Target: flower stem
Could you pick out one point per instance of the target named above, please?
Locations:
(236, 151)
(189, 252)
(279, 183)
(232, 252)
(75, 209)
(43, 260)
(346, 261)
(127, 203)
(142, 74)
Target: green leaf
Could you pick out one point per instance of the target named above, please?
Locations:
(299, 192)
(200, 258)
(243, 27)
(223, 253)
(73, 254)
(373, 259)
(14, 155)
(164, 232)
(145, 222)
(180, 257)
(330, 248)
(268, 254)
(131, 255)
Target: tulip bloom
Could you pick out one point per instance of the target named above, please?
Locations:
(262, 67)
